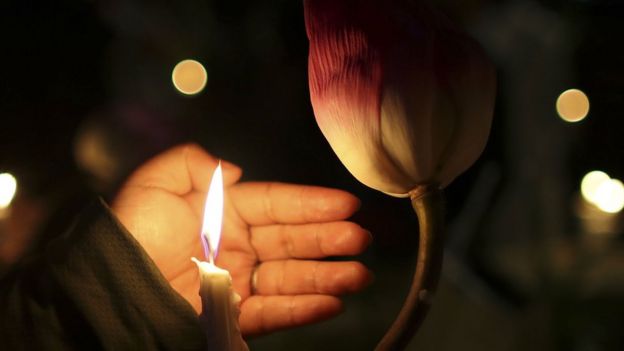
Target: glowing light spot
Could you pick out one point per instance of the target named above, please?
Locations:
(590, 183)
(213, 215)
(609, 196)
(8, 187)
(189, 77)
(572, 105)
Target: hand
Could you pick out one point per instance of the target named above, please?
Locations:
(272, 232)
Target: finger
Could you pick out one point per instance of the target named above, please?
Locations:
(268, 203)
(315, 240)
(263, 314)
(182, 169)
(290, 277)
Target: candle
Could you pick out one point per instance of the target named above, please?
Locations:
(220, 311)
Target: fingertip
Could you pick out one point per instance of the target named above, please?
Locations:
(369, 237)
(331, 307)
(340, 278)
(358, 203)
(195, 153)
(319, 308)
(353, 202)
(362, 240)
(229, 166)
(231, 172)
(340, 204)
(362, 277)
(351, 240)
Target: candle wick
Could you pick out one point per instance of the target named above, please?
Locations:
(209, 252)
(211, 259)
(205, 245)
(212, 255)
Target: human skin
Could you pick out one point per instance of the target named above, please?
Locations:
(282, 231)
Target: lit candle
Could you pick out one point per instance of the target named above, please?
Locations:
(220, 310)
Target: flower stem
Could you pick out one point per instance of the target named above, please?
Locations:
(427, 202)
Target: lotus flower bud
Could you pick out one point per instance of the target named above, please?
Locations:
(403, 98)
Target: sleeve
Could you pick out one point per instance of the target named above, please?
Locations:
(94, 288)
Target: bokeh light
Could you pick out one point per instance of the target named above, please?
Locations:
(189, 77)
(572, 105)
(8, 187)
(590, 183)
(609, 196)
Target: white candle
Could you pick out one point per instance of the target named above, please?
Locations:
(220, 310)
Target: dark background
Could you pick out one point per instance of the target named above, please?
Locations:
(86, 96)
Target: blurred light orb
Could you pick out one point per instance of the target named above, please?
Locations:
(590, 184)
(572, 105)
(8, 187)
(93, 154)
(609, 196)
(189, 77)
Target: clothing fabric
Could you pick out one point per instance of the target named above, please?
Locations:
(94, 288)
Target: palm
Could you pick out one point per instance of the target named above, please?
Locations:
(270, 228)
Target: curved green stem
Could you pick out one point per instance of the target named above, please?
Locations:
(428, 205)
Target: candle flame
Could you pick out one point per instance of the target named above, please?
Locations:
(213, 216)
